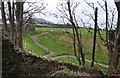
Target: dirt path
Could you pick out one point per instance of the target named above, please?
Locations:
(50, 53)
(34, 38)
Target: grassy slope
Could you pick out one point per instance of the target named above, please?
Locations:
(101, 51)
(61, 42)
(29, 45)
(24, 65)
(52, 41)
(74, 61)
(69, 60)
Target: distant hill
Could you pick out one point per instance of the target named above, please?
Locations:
(41, 20)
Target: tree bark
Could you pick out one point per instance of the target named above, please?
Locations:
(19, 18)
(80, 50)
(4, 21)
(94, 40)
(115, 55)
(74, 43)
(11, 21)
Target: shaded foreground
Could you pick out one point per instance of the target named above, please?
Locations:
(18, 64)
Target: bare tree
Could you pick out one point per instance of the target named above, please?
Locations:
(113, 67)
(67, 10)
(19, 20)
(80, 48)
(15, 13)
(4, 21)
(33, 8)
(112, 43)
(94, 40)
(11, 20)
(112, 38)
(19, 15)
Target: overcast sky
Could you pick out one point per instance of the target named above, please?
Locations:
(52, 4)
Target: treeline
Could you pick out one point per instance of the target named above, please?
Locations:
(13, 30)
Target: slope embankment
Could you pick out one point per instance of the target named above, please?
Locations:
(20, 64)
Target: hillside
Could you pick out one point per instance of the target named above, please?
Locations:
(41, 20)
(20, 64)
(59, 41)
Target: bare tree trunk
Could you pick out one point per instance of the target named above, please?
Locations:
(110, 51)
(80, 50)
(13, 19)
(108, 42)
(74, 43)
(11, 22)
(115, 55)
(4, 21)
(94, 40)
(19, 18)
(107, 34)
(117, 42)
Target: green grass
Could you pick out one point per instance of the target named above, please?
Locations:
(61, 43)
(74, 61)
(52, 40)
(29, 45)
(99, 57)
(69, 60)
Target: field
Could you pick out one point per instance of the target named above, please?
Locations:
(60, 41)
